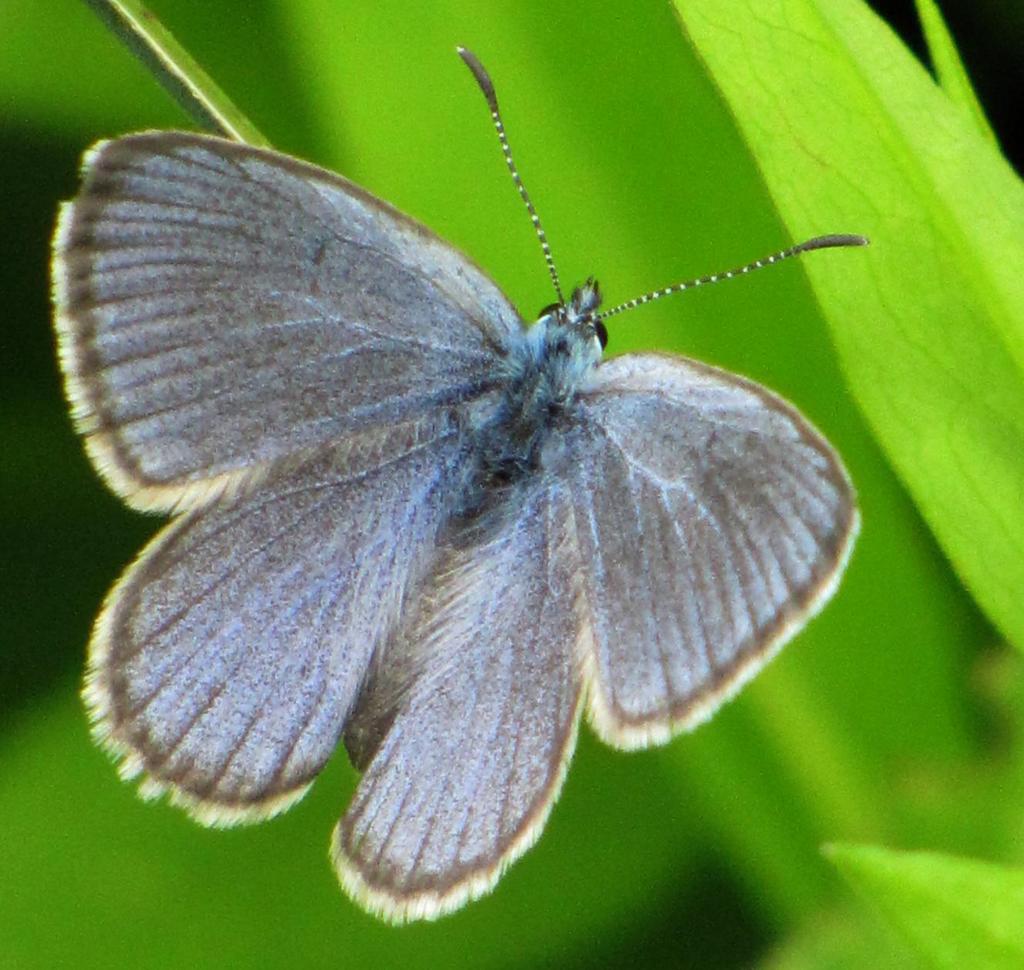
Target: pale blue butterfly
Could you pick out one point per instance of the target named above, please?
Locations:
(403, 519)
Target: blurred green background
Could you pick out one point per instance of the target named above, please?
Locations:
(894, 719)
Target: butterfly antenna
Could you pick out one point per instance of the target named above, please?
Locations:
(818, 242)
(483, 79)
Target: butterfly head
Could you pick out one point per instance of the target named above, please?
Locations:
(578, 317)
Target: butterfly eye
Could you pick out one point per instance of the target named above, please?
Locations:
(550, 310)
(601, 332)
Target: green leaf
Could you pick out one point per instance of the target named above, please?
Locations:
(929, 324)
(956, 913)
(949, 67)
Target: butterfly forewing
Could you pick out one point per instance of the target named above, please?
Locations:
(471, 718)
(221, 306)
(713, 520)
(229, 656)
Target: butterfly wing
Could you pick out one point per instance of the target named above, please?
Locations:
(713, 521)
(221, 306)
(227, 659)
(471, 720)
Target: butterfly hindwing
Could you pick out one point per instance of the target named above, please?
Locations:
(471, 718)
(227, 659)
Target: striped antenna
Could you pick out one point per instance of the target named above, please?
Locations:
(483, 79)
(818, 242)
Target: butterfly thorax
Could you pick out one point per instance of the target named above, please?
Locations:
(543, 375)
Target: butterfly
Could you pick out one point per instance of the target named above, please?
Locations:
(402, 519)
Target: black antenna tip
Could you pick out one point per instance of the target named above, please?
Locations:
(483, 79)
(832, 241)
